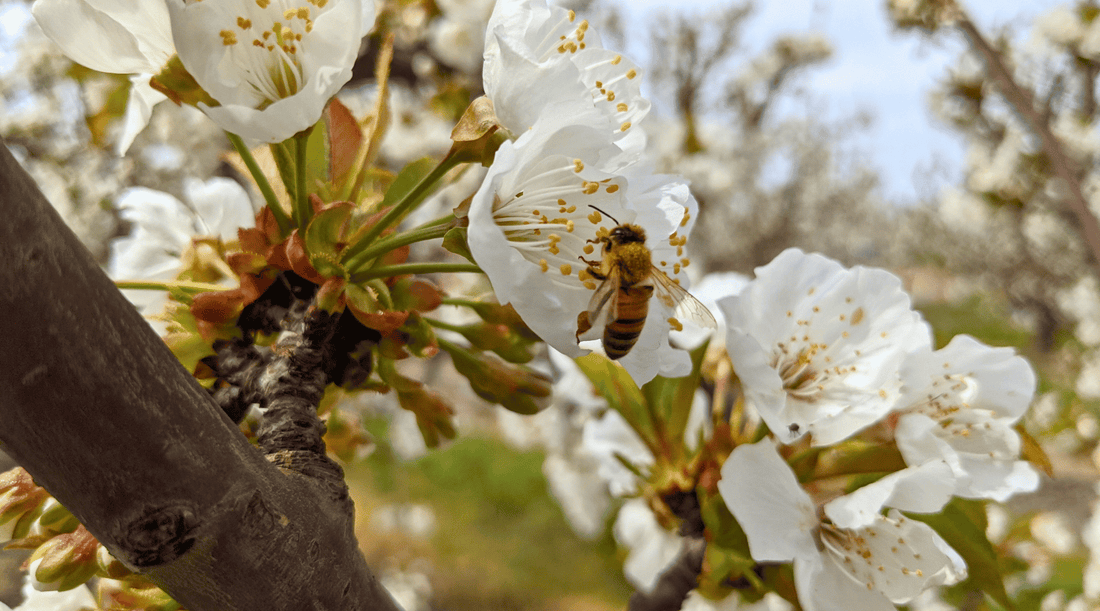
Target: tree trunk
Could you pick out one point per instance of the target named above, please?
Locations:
(99, 411)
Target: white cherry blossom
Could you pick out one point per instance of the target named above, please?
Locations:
(163, 229)
(272, 65)
(117, 37)
(538, 213)
(818, 347)
(960, 404)
(540, 59)
(851, 559)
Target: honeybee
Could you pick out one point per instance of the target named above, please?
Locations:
(628, 279)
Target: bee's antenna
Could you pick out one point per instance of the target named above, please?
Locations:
(605, 214)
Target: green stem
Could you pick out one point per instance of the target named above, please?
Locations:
(439, 324)
(388, 271)
(403, 207)
(302, 210)
(277, 211)
(167, 285)
(429, 231)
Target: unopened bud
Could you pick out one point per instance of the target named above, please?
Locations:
(20, 501)
(519, 389)
(65, 561)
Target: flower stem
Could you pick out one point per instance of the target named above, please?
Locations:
(168, 285)
(302, 209)
(277, 211)
(439, 324)
(429, 231)
(388, 271)
(403, 207)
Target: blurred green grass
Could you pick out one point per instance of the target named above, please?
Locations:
(501, 540)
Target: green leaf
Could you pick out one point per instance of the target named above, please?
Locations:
(455, 241)
(614, 384)
(324, 237)
(962, 525)
(670, 399)
(407, 178)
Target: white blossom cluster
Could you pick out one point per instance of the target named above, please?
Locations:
(575, 170)
(829, 353)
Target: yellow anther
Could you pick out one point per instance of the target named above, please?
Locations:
(569, 226)
(595, 217)
(566, 269)
(562, 202)
(554, 250)
(263, 3)
(631, 73)
(588, 249)
(625, 126)
(544, 265)
(588, 284)
(687, 217)
(590, 187)
(622, 107)
(675, 324)
(578, 165)
(243, 23)
(618, 58)
(610, 96)
(229, 38)
(612, 188)
(572, 16)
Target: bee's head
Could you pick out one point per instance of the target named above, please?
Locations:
(627, 234)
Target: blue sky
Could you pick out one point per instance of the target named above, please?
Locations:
(873, 68)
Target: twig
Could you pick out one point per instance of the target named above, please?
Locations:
(1022, 101)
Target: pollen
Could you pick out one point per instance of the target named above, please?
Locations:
(675, 324)
(229, 38)
(857, 316)
(566, 269)
(544, 265)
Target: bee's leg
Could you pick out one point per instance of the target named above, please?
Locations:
(594, 269)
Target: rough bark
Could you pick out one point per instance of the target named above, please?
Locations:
(103, 416)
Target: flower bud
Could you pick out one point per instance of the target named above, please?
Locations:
(515, 387)
(20, 501)
(65, 561)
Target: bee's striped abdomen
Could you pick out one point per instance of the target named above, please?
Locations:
(621, 334)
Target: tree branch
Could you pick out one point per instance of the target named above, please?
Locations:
(103, 416)
(1022, 101)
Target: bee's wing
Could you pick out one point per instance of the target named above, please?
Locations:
(603, 306)
(683, 304)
